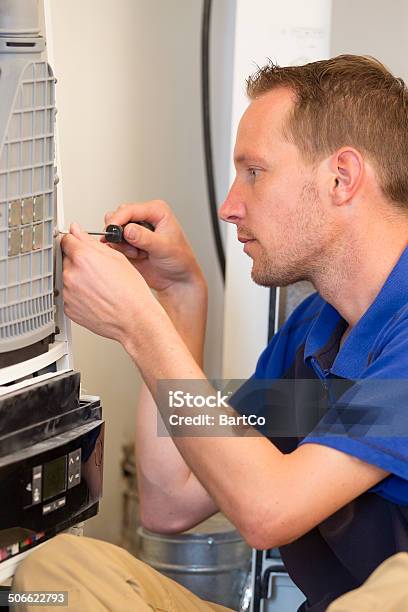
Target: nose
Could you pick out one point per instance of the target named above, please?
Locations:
(233, 209)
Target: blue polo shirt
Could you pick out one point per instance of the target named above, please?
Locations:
(354, 399)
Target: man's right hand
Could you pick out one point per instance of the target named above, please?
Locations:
(163, 257)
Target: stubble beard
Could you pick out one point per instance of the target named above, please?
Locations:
(302, 246)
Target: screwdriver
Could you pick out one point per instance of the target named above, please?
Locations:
(114, 233)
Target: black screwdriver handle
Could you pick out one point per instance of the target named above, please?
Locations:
(114, 233)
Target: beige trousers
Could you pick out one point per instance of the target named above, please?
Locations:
(100, 576)
(386, 590)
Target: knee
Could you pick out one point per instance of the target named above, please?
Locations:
(35, 568)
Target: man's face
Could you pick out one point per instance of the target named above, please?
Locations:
(275, 200)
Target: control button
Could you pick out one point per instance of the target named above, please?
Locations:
(37, 472)
(74, 468)
(74, 479)
(36, 483)
(74, 458)
(60, 502)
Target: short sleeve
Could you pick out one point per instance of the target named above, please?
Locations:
(370, 419)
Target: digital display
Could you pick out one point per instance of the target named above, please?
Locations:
(54, 477)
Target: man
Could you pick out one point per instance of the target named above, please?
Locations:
(321, 193)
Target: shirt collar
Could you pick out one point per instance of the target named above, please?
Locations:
(352, 358)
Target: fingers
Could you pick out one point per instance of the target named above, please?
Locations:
(76, 239)
(142, 238)
(77, 231)
(153, 211)
(139, 241)
(129, 251)
(70, 245)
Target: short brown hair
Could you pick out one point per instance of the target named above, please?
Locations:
(346, 100)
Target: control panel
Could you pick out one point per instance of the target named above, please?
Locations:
(54, 478)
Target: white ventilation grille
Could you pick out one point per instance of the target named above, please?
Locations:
(27, 212)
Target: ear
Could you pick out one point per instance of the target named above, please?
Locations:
(347, 167)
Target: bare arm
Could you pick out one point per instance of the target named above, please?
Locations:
(293, 492)
(172, 499)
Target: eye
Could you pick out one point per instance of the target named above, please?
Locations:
(253, 173)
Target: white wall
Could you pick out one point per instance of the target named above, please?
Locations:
(129, 120)
(372, 27)
(292, 32)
